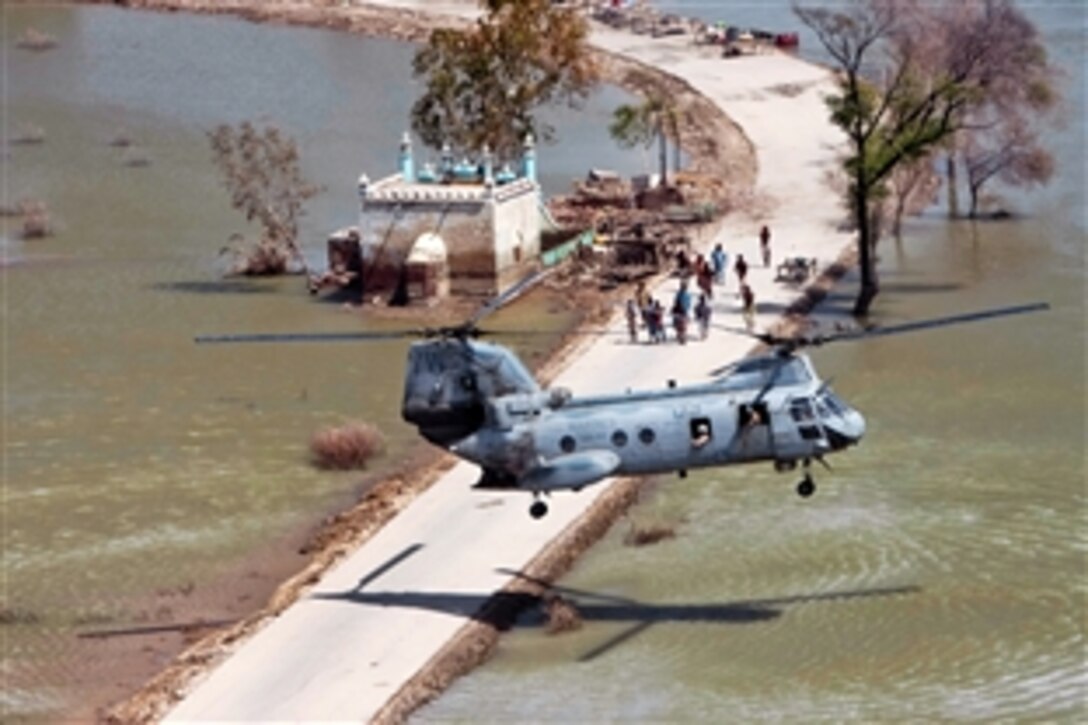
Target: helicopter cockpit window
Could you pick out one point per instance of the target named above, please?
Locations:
(801, 411)
(836, 406)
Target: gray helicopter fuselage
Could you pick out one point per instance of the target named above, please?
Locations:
(525, 437)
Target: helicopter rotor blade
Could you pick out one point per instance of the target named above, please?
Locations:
(792, 344)
(314, 336)
(780, 362)
(928, 324)
(508, 295)
(938, 322)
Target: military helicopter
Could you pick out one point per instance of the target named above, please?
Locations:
(477, 400)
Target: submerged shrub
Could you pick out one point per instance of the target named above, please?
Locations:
(263, 258)
(346, 447)
(646, 535)
(34, 39)
(36, 221)
(563, 616)
(29, 135)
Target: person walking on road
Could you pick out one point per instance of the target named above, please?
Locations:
(719, 261)
(632, 313)
(748, 300)
(657, 318)
(741, 268)
(702, 315)
(765, 245)
(683, 299)
(680, 322)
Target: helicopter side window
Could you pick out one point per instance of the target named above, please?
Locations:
(701, 432)
(646, 435)
(619, 439)
(567, 444)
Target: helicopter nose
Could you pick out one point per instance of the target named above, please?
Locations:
(847, 431)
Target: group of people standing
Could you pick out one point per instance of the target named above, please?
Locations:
(707, 272)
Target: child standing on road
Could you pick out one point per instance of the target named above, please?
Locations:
(702, 314)
(765, 244)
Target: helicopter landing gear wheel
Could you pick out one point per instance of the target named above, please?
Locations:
(538, 510)
(806, 487)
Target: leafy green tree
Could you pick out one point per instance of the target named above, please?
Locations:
(910, 72)
(261, 172)
(484, 84)
(656, 118)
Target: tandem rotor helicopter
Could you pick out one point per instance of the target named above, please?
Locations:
(477, 400)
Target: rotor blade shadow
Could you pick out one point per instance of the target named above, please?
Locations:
(392, 563)
(502, 609)
(757, 610)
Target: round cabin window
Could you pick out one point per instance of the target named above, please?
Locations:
(619, 439)
(567, 444)
(646, 435)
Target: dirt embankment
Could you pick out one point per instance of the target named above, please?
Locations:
(716, 147)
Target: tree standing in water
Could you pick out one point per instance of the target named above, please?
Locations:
(261, 171)
(910, 73)
(657, 117)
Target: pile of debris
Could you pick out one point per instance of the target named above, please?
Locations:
(640, 225)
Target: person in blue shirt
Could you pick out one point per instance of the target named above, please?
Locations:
(682, 301)
(719, 261)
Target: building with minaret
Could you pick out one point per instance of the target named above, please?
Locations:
(461, 228)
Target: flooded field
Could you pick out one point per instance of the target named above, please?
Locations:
(136, 462)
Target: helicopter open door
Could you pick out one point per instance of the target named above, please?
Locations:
(754, 437)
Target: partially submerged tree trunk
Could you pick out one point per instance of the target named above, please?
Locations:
(663, 153)
(950, 179)
(870, 285)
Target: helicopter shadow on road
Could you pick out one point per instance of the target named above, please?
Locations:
(506, 609)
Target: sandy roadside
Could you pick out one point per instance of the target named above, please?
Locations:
(796, 201)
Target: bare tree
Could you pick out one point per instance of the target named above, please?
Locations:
(912, 187)
(261, 171)
(910, 73)
(1000, 137)
(1010, 152)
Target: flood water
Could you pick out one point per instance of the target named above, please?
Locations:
(939, 571)
(134, 460)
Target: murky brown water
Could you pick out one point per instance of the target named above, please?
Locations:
(133, 459)
(938, 573)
